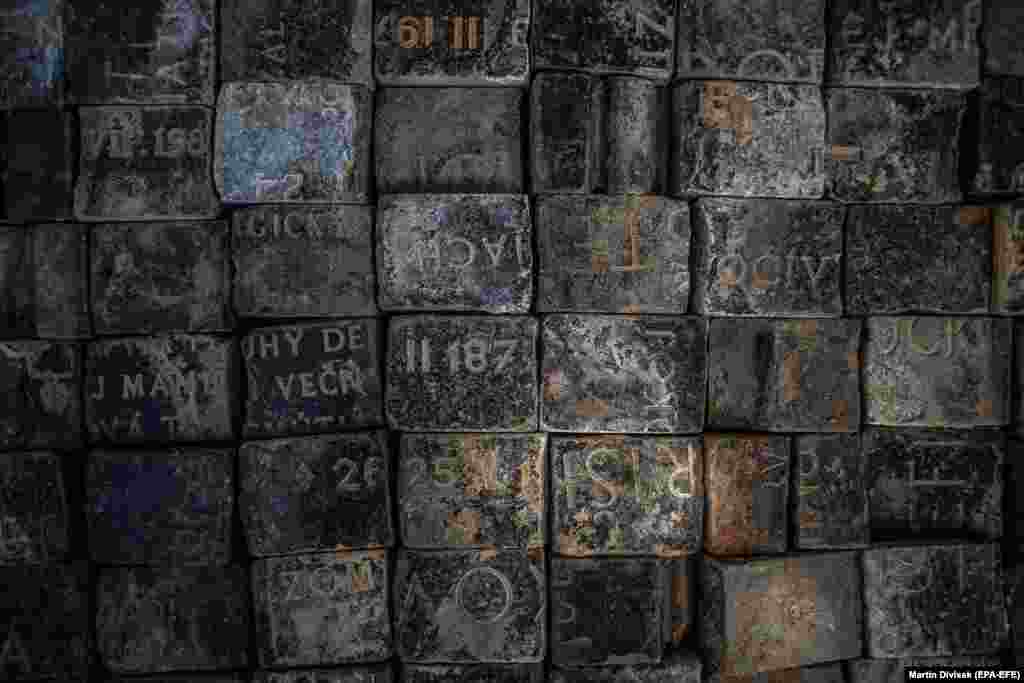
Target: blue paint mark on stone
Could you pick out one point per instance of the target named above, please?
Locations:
(440, 215)
(151, 416)
(503, 215)
(200, 503)
(45, 66)
(138, 489)
(279, 408)
(311, 407)
(280, 504)
(494, 296)
(33, 8)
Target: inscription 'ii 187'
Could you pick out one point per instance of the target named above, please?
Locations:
(476, 354)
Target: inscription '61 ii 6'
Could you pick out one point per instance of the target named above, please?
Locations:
(473, 352)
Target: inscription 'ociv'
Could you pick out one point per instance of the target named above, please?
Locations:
(733, 270)
(896, 331)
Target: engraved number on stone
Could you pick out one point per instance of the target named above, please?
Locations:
(484, 593)
(472, 353)
(371, 470)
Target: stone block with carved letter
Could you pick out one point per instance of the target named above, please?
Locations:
(381, 673)
(456, 252)
(171, 507)
(894, 670)
(1000, 35)
(39, 165)
(819, 673)
(312, 378)
(32, 58)
(1008, 261)
(303, 261)
(34, 519)
(679, 667)
(994, 135)
(41, 404)
(469, 673)
(315, 493)
(449, 140)
(829, 493)
(322, 609)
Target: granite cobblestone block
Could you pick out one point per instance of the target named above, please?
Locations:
(38, 172)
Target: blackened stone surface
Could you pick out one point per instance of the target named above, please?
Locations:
(315, 493)
(1013, 490)
(145, 163)
(474, 143)
(937, 372)
(280, 40)
(200, 678)
(32, 59)
(1004, 53)
(610, 36)
(172, 619)
(160, 507)
(147, 52)
(160, 277)
(312, 378)
(173, 387)
(627, 495)
(33, 509)
(894, 670)
(350, 674)
(683, 667)
(44, 615)
(771, 614)
(768, 257)
(295, 142)
(636, 135)
(40, 384)
(457, 490)
(17, 300)
(747, 139)
(37, 180)
(489, 48)
(943, 484)
(567, 139)
(613, 254)
(997, 119)
(829, 494)
(474, 673)
(762, 41)
(470, 606)
(292, 262)
(455, 252)
(893, 146)
(934, 600)
(624, 373)
(822, 673)
(327, 608)
(1008, 261)
(451, 373)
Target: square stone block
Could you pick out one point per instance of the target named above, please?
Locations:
(453, 373)
(458, 490)
(937, 372)
(1013, 583)
(607, 373)
(770, 614)
(768, 257)
(996, 125)
(451, 42)
(315, 493)
(608, 36)
(492, 673)
(312, 378)
(160, 277)
(160, 507)
(305, 620)
(145, 163)
(296, 142)
(1004, 53)
(170, 387)
(830, 493)
(282, 40)
(32, 59)
(172, 619)
(627, 495)
(893, 145)
(449, 140)
(147, 52)
(40, 384)
(612, 254)
(465, 606)
(38, 173)
(381, 673)
(34, 509)
(934, 600)
(747, 139)
(681, 667)
(457, 252)
(894, 670)
(1008, 261)
(822, 673)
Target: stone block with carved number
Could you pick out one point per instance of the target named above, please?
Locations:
(1008, 258)
(39, 164)
(679, 667)
(993, 137)
(40, 385)
(36, 519)
(32, 58)
(829, 495)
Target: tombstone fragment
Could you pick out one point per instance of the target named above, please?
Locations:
(1003, 53)
(1017, 405)
(349, 674)
(41, 405)
(466, 673)
(830, 494)
(33, 509)
(1008, 264)
(680, 667)
(993, 137)
(32, 62)
(38, 174)
(894, 670)
(1013, 489)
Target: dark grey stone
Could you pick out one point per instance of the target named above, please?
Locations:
(34, 509)
(41, 405)
(315, 493)
(1008, 264)
(1013, 587)
(475, 673)
(1013, 490)
(17, 294)
(1017, 404)
(682, 602)
(38, 174)
(822, 673)
(457, 252)
(682, 667)
(351, 674)
(32, 58)
(997, 121)
(453, 373)
(894, 670)
(830, 494)
(200, 678)
(1003, 52)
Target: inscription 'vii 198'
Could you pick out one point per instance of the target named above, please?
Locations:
(476, 354)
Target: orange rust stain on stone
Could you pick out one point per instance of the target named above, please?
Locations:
(853, 360)
(760, 280)
(480, 466)
(679, 632)
(727, 279)
(343, 552)
(716, 103)
(535, 553)
(984, 407)
(591, 407)
(632, 310)
(376, 553)
(468, 521)
(599, 263)
(840, 414)
(807, 328)
(488, 553)
(974, 215)
(567, 545)
(809, 519)
(791, 376)
(670, 550)
(844, 153)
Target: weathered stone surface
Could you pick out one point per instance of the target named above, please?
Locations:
(993, 137)
(937, 372)
(455, 252)
(304, 619)
(829, 493)
(293, 262)
(933, 600)
(315, 493)
(682, 667)
(1013, 490)
(491, 673)
(160, 507)
(172, 619)
(350, 674)
(767, 257)
(148, 52)
(280, 40)
(1008, 261)
(788, 612)
(200, 678)
(160, 277)
(906, 259)
(17, 295)
(170, 387)
(457, 490)
(893, 146)
(425, 43)
(1003, 51)
(760, 41)
(682, 601)
(32, 59)
(38, 173)
(453, 373)
(612, 254)
(41, 405)
(33, 509)
(645, 495)
(822, 673)
(295, 142)
(1013, 587)
(747, 139)
(894, 670)
(610, 36)
(145, 163)
(624, 373)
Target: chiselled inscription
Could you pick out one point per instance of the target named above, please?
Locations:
(830, 492)
(39, 403)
